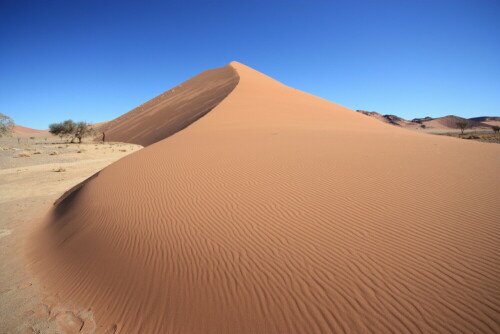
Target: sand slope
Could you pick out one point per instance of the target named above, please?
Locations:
(280, 212)
(173, 110)
(19, 130)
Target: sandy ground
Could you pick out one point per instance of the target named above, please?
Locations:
(28, 188)
(480, 135)
(279, 212)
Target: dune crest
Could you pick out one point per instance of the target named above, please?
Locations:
(280, 212)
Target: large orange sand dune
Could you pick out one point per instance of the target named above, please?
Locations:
(280, 212)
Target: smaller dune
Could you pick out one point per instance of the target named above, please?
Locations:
(21, 130)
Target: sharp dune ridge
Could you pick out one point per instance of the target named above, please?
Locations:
(280, 212)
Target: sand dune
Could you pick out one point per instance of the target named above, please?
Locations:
(450, 122)
(493, 123)
(279, 212)
(18, 130)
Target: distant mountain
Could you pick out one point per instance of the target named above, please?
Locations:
(440, 123)
(485, 118)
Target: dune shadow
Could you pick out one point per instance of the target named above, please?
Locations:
(63, 204)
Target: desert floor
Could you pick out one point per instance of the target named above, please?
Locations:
(31, 179)
(481, 135)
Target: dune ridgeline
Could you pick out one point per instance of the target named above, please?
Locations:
(258, 208)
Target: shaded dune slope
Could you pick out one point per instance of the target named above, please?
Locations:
(173, 110)
(280, 212)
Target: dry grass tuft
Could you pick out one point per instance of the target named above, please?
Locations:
(61, 169)
(24, 154)
(54, 153)
(37, 152)
(471, 137)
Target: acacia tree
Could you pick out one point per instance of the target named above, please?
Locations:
(71, 130)
(83, 129)
(58, 129)
(463, 125)
(6, 125)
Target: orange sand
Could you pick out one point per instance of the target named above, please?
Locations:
(19, 130)
(280, 212)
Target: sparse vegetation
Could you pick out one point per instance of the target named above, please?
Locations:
(487, 137)
(6, 125)
(71, 130)
(83, 129)
(472, 137)
(39, 153)
(463, 125)
(61, 129)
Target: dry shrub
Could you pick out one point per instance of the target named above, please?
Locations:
(37, 152)
(80, 151)
(123, 150)
(472, 137)
(24, 154)
(60, 146)
(54, 153)
(61, 169)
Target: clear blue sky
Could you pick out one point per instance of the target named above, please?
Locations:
(95, 60)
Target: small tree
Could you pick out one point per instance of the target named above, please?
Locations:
(64, 129)
(83, 129)
(496, 128)
(463, 125)
(57, 130)
(71, 130)
(6, 125)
